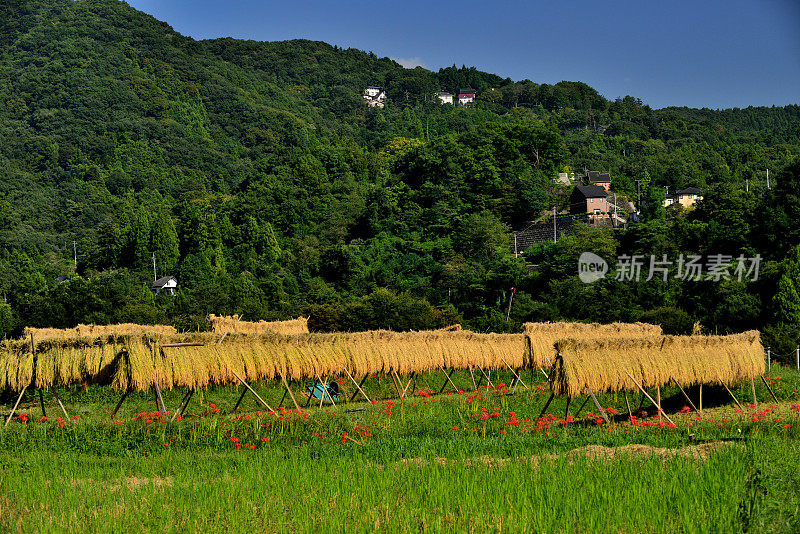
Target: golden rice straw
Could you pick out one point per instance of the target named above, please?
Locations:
(97, 331)
(540, 337)
(601, 364)
(220, 324)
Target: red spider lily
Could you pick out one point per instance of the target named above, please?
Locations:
(787, 425)
(453, 428)
(796, 407)
(685, 409)
(612, 411)
(23, 417)
(43, 419)
(598, 421)
(76, 416)
(344, 437)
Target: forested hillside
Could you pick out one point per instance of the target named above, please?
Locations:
(255, 173)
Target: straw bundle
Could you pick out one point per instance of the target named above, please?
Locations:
(137, 361)
(221, 324)
(540, 337)
(97, 331)
(601, 364)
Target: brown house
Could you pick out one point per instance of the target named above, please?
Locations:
(596, 178)
(589, 199)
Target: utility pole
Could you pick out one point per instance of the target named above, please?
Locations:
(767, 179)
(614, 222)
(155, 276)
(555, 237)
(639, 196)
(75, 253)
(747, 185)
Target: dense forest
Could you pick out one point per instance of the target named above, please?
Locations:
(255, 174)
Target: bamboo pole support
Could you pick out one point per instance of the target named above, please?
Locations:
(519, 379)
(684, 394)
(627, 405)
(588, 398)
(184, 403)
(119, 404)
(734, 397)
(397, 384)
(262, 401)
(14, 409)
(472, 376)
(448, 379)
(41, 402)
(241, 398)
(311, 393)
(410, 379)
(566, 412)
(658, 398)
(488, 382)
(358, 386)
(547, 404)
(61, 405)
(753, 387)
(645, 394)
(597, 404)
(701, 398)
(288, 389)
(770, 390)
(159, 399)
(326, 392)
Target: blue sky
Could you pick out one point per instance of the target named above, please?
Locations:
(714, 53)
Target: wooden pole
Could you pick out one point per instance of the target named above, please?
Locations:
(588, 398)
(472, 376)
(547, 404)
(311, 393)
(410, 379)
(121, 400)
(326, 392)
(14, 409)
(41, 402)
(701, 398)
(645, 394)
(770, 390)
(358, 386)
(171, 345)
(241, 398)
(61, 405)
(597, 404)
(628, 406)
(448, 379)
(396, 382)
(488, 382)
(566, 412)
(658, 398)
(518, 378)
(159, 399)
(286, 385)
(252, 391)
(753, 387)
(184, 403)
(734, 397)
(684, 394)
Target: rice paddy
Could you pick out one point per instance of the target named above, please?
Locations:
(447, 439)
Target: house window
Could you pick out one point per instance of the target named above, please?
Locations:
(597, 211)
(591, 200)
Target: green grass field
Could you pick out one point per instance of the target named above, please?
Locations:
(458, 462)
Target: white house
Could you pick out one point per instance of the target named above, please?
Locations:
(167, 284)
(372, 92)
(445, 97)
(466, 96)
